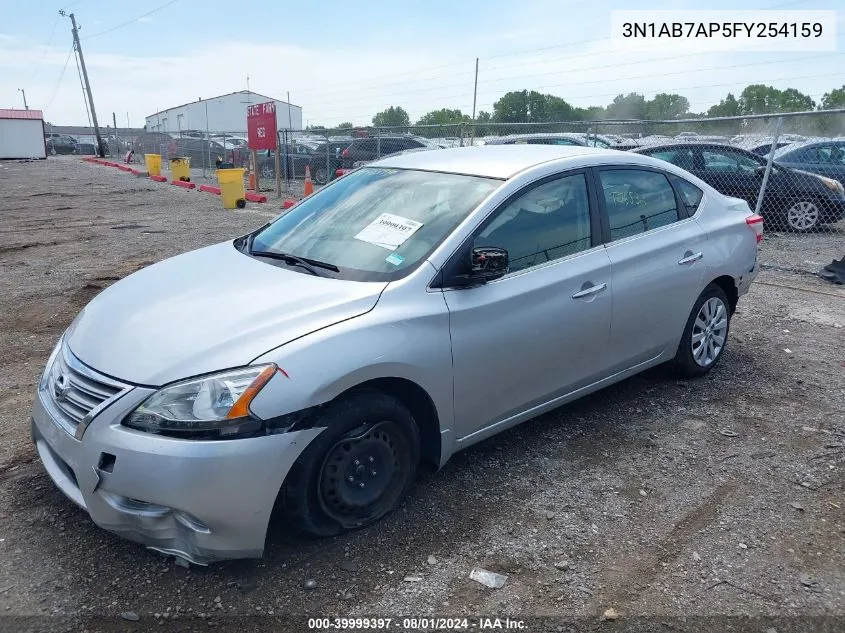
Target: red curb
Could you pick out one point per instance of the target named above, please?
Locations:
(136, 172)
(158, 178)
(210, 189)
(287, 204)
(123, 168)
(182, 183)
(255, 197)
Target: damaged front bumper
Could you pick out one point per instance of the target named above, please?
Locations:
(202, 501)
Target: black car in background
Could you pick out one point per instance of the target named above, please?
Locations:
(371, 148)
(794, 200)
(326, 160)
(61, 144)
(826, 158)
(296, 157)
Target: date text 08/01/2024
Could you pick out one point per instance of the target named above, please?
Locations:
(415, 624)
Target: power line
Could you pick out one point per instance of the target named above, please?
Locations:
(416, 72)
(59, 80)
(576, 84)
(681, 88)
(127, 23)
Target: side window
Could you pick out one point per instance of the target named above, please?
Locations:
(690, 194)
(728, 161)
(637, 201)
(547, 222)
(831, 155)
(683, 158)
(367, 146)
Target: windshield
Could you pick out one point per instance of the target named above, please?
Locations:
(376, 224)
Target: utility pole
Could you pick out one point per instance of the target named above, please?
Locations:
(23, 92)
(100, 150)
(474, 96)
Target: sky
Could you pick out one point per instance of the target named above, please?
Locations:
(345, 61)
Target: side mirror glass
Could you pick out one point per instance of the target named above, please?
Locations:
(486, 264)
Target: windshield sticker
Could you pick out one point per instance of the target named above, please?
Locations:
(389, 231)
(394, 259)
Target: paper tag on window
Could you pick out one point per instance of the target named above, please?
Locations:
(388, 231)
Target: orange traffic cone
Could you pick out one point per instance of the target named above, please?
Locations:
(308, 188)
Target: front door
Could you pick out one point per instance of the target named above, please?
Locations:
(542, 330)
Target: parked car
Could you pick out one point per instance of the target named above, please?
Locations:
(371, 148)
(761, 145)
(60, 144)
(202, 152)
(826, 157)
(552, 138)
(402, 313)
(794, 200)
(296, 157)
(154, 143)
(326, 160)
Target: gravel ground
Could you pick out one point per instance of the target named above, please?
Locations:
(657, 498)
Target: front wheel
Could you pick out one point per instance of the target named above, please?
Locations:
(357, 470)
(267, 171)
(705, 334)
(321, 175)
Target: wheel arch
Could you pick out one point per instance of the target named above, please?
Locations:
(728, 285)
(418, 402)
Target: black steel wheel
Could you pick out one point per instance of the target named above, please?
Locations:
(356, 471)
(321, 175)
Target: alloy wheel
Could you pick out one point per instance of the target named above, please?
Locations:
(802, 216)
(709, 331)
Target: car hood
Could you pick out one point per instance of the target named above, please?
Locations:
(207, 310)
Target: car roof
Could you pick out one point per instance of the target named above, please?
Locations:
(499, 161)
(687, 144)
(812, 143)
(510, 138)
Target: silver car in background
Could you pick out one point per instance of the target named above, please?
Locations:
(404, 312)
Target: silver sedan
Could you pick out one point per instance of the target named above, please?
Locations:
(404, 312)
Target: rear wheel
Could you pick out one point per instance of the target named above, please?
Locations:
(357, 470)
(705, 334)
(267, 171)
(803, 216)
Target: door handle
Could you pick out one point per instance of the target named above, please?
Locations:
(586, 292)
(690, 257)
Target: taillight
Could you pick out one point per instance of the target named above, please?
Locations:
(756, 223)
(345, 153)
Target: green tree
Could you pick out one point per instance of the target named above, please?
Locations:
(666, 106)
(791, 100)
(558, 109)
(345, 125)
(512, 107)
(729, 106)
(394, 116)
(630, 106)
(444, 116)
(759, 99)
(481, 119)
(833, 99)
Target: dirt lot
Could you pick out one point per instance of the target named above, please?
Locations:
(657, 498)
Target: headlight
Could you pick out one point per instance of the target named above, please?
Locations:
(211, 407)
(832, 184)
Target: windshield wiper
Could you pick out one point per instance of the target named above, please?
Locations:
(294, 260)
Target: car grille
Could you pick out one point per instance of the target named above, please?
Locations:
(75, 390)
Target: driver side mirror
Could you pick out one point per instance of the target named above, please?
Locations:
(486, 264)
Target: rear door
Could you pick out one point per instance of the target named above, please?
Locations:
(658, 256)
(541, 331)
(831, 157)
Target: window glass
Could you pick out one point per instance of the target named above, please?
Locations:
(831, 155)
(683, 158)
(376, 222)
(727, 161)
(637, 201)
(690, 194)
(548, 222)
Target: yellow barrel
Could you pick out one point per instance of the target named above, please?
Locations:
(232, 190)
(180, 169)
(153, 162)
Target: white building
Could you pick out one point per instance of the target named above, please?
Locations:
(22, 134)
(226, 113)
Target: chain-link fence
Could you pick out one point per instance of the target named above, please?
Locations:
(789, 167)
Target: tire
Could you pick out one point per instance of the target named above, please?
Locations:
(694, 356)
(370, 440)
(268, 171)
(320, 175)
(802, 216)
